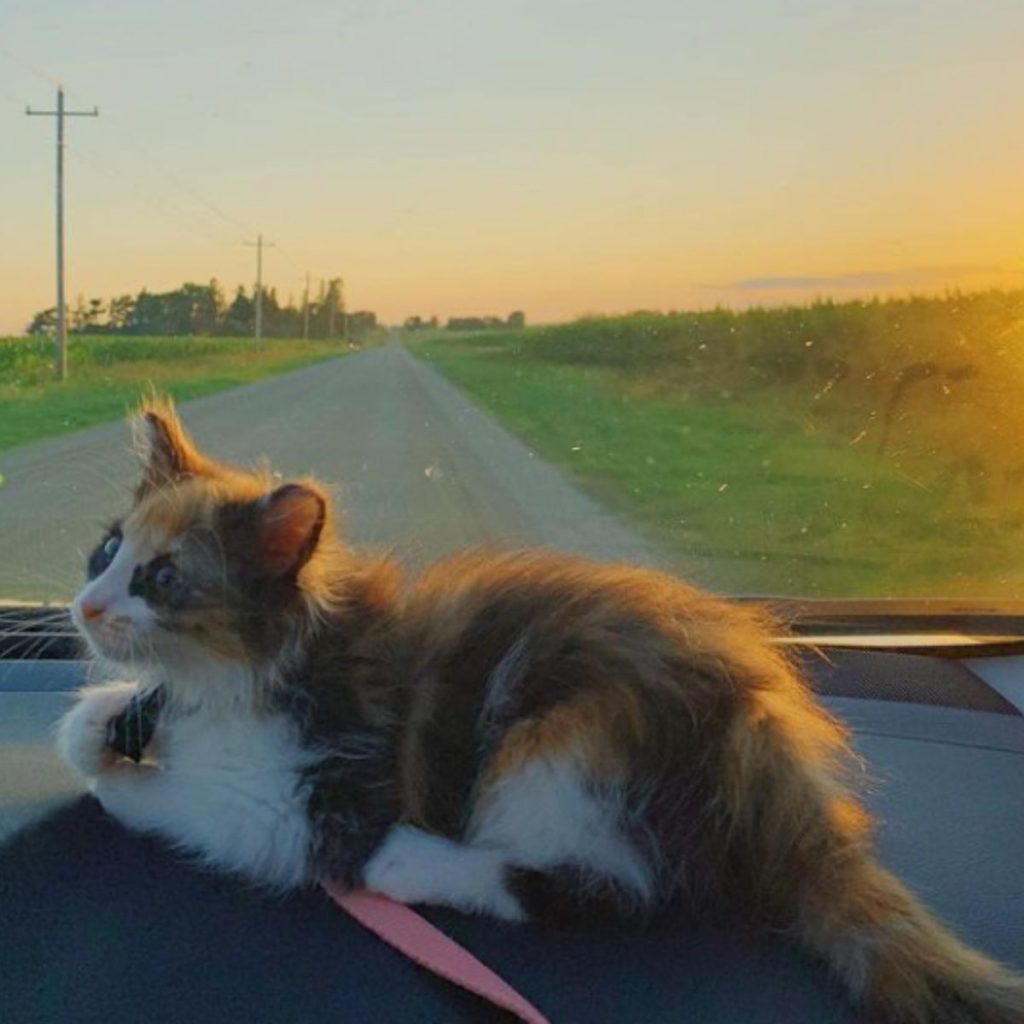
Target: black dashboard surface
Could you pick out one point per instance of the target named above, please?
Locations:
(100, 925)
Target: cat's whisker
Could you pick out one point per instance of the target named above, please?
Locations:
(6, 634)
(11, 627)
(34, 621)
(27, 649)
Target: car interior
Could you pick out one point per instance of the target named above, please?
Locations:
(730, 290)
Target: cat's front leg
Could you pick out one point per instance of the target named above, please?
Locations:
(232, 819)
(82, 732)
(135, 794)
(413, 866)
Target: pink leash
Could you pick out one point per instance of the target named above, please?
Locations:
(401, 927)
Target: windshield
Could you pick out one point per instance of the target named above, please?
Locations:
(730, 288)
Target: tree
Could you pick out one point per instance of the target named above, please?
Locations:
(361, 323)
(94, 314)
(485, 323)
(120, 312)
(44, 322)
(200, 309)
(216, 300)
(78, 315)
(195, 309)
(335, 308)
(240, 316)
(147, 315)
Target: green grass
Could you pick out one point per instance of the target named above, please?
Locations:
(106, 376)
(746, 479)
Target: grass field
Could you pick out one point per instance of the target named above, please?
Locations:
(106, 376)
(859, 449)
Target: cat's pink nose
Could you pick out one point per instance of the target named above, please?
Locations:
(90, 611)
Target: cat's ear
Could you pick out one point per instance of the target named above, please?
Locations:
(290, 521)
(166, 450)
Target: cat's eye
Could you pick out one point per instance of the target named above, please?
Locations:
(166, 576)
(111, 547)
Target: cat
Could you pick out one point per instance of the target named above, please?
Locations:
(525, 735)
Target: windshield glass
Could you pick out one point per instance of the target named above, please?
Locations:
(730, 288)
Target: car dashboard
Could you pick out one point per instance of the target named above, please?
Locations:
(97, 923)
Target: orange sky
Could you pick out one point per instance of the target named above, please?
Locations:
(560, 157)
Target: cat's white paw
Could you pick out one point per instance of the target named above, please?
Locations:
(120, 789)
(412, 866)
(82, 732)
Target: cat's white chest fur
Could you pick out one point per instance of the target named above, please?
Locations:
(227, 787)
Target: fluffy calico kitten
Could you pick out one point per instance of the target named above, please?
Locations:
(520, 735)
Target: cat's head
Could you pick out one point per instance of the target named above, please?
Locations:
(211, 563)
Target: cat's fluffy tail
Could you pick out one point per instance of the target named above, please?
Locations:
(802, 841)
(904, 965)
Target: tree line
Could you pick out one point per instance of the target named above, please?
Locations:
(203, 309)
(515, 321)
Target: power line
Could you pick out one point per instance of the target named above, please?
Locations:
(197, 196)
(61, 354)
(156, 164)
(178, 182)
(29, 67)
(202, 200)
(155, 199)
(291, 261)
(175, 179)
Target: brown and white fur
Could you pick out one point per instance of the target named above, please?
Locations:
(521, 735)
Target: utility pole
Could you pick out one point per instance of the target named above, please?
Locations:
(258, 246)
(343, 309)
(61, 354)
(305, 310)
(332, 306)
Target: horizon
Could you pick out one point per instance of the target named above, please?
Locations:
(810, 303)
(562, 159)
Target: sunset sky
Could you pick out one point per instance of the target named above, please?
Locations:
(558, 156)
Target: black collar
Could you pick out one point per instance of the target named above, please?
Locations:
(130, 732)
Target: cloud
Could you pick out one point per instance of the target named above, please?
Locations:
(909, 277)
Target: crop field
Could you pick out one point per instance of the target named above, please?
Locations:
(862, 448)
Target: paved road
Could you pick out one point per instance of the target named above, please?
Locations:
(419, 468)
